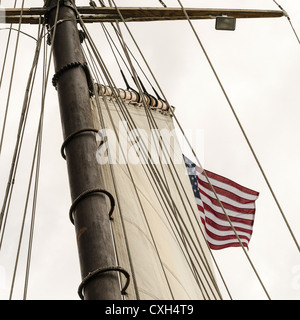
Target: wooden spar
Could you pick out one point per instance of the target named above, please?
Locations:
(110, 14)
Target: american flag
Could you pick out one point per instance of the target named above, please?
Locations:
(238, 202)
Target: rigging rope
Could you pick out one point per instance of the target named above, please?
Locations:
(117, 32)
(95, 71)
(169, 107)
(162, 3)
(38, 161)
(11, 80)
(110, 85)
(149, 229)
(46, 72)
(6, 50)
(195, 156)
(123, 44)
(153, 125)
(105, 71)
(16, 154)
(36, 158)
(241, 127)
(25, 33)
(38, 47)
(158, 195)
(38, 142)
(208, 180)
(289, 19)
(149, 114)
(153, 178)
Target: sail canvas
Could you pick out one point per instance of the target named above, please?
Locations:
(155, 225)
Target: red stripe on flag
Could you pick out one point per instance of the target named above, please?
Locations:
(227, 237)
(223, 246)
(219, 227)
(226, 193)
(227, 206)
(239, 205)
(231, 183)
(223, 217)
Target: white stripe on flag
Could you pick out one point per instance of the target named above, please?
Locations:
(238, 202)
(228, 187)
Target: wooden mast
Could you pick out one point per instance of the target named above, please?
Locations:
(89, 210)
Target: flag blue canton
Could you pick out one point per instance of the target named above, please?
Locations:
(191, 170)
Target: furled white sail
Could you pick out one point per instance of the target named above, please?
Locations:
(155, 224)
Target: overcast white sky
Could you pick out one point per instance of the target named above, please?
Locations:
(259, 65)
